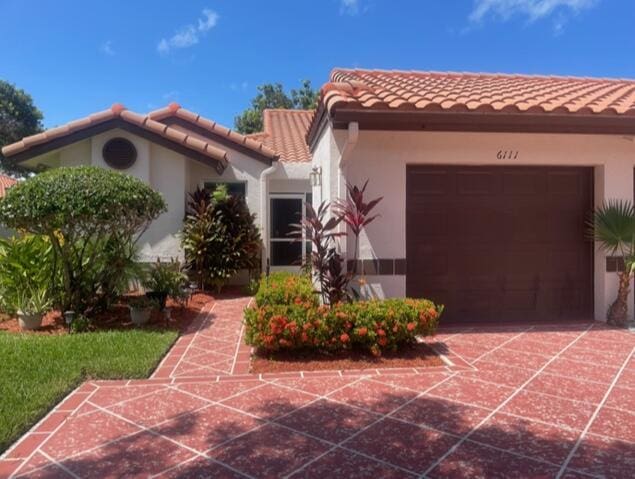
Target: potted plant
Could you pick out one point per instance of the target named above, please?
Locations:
(165, 279)
(140, 309)
(31, 306)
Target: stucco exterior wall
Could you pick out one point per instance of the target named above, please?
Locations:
(76, 154)
(240, 168)
(382, 157)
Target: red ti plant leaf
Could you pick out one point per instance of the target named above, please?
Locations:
(356, 213)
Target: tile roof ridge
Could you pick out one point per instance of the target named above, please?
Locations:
(290, 110)
(175, 109)
(353, 71)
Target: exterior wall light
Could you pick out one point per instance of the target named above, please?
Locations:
(316, 176)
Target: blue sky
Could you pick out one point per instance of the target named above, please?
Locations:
(76, 57)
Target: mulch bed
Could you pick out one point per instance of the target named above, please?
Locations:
(118, 318)
(411, 356)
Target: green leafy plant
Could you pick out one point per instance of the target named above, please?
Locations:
(168, 278)
(33, 300)
(81, 324)
(219, 237)
(26, 266)
(90, 215)
(613, 228)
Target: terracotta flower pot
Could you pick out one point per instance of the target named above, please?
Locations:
(29, 322)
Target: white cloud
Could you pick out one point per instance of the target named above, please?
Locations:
(532, 9)
(190, 34)
(106, 48)
(349, 7)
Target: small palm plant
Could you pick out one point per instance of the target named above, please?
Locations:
(613, 227)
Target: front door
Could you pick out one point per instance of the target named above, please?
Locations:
(286, 251)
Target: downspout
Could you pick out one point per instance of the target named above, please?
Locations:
(264, 210)
(349, 145)
(351, 141)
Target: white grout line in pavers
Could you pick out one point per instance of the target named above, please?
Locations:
(365, 428)
(594, 416)
(501, 405)
(239, 342)
(60, 465)
(502, 344)
(150, 430)
(54, 431)
(184, 353)
(192, 459)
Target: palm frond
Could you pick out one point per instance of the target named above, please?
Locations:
(613, 226)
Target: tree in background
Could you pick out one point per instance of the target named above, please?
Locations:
(272, 95)
(19, 117)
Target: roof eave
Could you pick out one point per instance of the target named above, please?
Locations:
(502, 122)
(219, 163)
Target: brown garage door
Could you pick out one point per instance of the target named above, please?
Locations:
(500, 244)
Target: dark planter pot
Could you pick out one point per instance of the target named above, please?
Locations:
(159, 297)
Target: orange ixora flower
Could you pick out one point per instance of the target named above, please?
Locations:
(362, 331)
(411, 326)
(382, 341)
(345, 338)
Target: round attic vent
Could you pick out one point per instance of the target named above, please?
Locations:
(119, 153)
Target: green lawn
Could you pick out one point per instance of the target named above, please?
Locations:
(36, 372)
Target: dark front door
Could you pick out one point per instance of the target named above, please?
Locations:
(500, 244)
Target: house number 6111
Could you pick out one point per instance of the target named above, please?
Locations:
(507, 154)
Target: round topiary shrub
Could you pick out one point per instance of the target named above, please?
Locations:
(93, 218)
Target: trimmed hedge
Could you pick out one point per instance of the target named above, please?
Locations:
(285, 288)
(287, 317)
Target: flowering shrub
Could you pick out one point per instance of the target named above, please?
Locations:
(285, 288)
(297, 322)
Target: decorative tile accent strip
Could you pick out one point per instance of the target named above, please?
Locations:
(379, 266)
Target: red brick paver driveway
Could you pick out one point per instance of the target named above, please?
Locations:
(522, 401)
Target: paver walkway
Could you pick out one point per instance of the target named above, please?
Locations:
(522, 401)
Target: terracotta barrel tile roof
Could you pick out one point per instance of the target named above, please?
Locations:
(175, 110)
(118, 111)
(481, 92)
(6, 182)
(285, 132)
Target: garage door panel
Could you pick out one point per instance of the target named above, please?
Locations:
(565, 183)
(432, 182)
(437, 223)
(477, 182)
(434, 261)
(475, 224)
(507, 243)
(523, 183)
